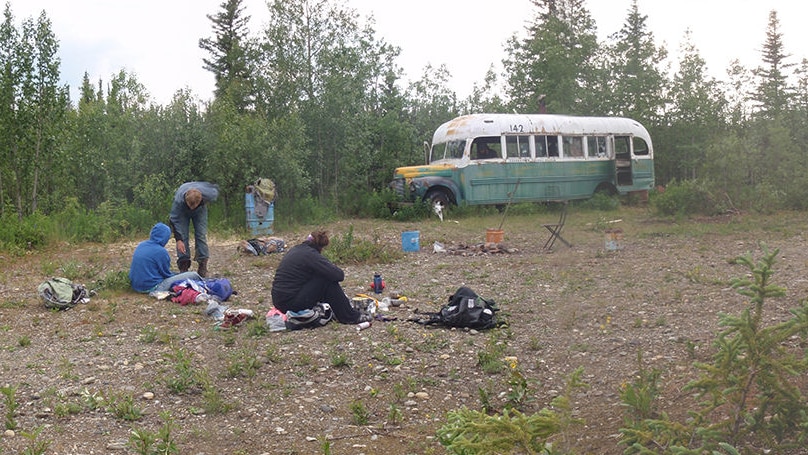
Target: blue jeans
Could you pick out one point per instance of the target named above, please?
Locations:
(165, 285)
(182, 217)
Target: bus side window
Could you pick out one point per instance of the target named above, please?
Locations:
(640, 146)
(485, 148)
(573, 146)
(517, 146)
(596, 146)
(541, 146)
(552, 145)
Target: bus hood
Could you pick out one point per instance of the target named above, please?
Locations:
(408, 172)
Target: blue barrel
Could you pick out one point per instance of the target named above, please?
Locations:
(258, 226)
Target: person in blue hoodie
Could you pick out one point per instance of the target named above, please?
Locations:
(150, 270)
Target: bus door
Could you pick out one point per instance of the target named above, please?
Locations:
(622, 161)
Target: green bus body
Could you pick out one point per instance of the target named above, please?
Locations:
(529, 158)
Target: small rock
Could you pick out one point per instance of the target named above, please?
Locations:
(89, 380)
(117, 445)
(422, 395)
(8, 434)
(148, 396)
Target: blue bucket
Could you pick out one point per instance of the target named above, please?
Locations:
(410, 241)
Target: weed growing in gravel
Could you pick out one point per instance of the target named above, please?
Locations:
(184, 378)
(359, 413)
(91, 400)
(24, 341)
(11, 405)
(243, 364)
(36, 446)
(145, 442)
(394, 414)
(490, 359)
(212, 400)
(340, 360)
(123, 406)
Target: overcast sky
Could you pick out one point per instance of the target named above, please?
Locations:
(157, 40)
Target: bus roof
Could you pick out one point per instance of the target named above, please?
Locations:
(475, 125)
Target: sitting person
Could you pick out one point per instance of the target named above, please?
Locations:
(150, 270)
(305, 277)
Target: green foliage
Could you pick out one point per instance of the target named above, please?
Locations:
(750, 392)
(185, 377)
(36, 445)
(145, 442)
(359, 413)
(601, 202)
(123, 406)
(689, 197)
(11, 405)
(21, 235)
(470, 432)
(114, 280)
(346, 249)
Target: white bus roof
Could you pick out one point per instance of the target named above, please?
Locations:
(476, 125)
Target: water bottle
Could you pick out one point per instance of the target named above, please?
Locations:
(378, 283)
(362, 326)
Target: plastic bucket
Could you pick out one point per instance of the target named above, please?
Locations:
(410, 241)
(613, 239)
(494, 235)
(258, 226)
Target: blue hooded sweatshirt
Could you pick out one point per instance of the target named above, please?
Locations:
(151, 263)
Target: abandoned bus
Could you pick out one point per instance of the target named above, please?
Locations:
(499, 158)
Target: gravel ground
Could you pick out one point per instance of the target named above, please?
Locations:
(124, 366)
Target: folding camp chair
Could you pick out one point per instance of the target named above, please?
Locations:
(555, 229)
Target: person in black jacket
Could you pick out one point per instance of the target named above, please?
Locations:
(305, 277)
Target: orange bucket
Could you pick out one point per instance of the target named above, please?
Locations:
(494, 235)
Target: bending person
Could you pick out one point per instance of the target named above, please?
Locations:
(190, 205)
(305, 277)
(150, 270)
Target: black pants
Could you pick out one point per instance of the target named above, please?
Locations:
(319, 290)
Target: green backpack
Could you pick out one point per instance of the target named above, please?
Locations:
(62, 294)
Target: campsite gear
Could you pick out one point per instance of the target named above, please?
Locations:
(203, 268)
(262, 245)
(317, 316)
(215, 309)
(62, 294)
(235, 317)
(378, 283)
(276, 320)
(365, 304)
(465, 309)
(362, 326)
(220, 287)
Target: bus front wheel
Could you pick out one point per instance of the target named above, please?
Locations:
(439, 201)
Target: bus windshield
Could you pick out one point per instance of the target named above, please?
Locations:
(448, 150)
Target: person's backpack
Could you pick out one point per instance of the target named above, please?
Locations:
(62, 294)
(220, 287)
(317, 316)
(465, 309)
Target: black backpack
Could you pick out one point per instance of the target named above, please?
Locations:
(465, 309)
(317, 316)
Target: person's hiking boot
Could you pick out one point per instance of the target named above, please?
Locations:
(183, 264)
(203, 268)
